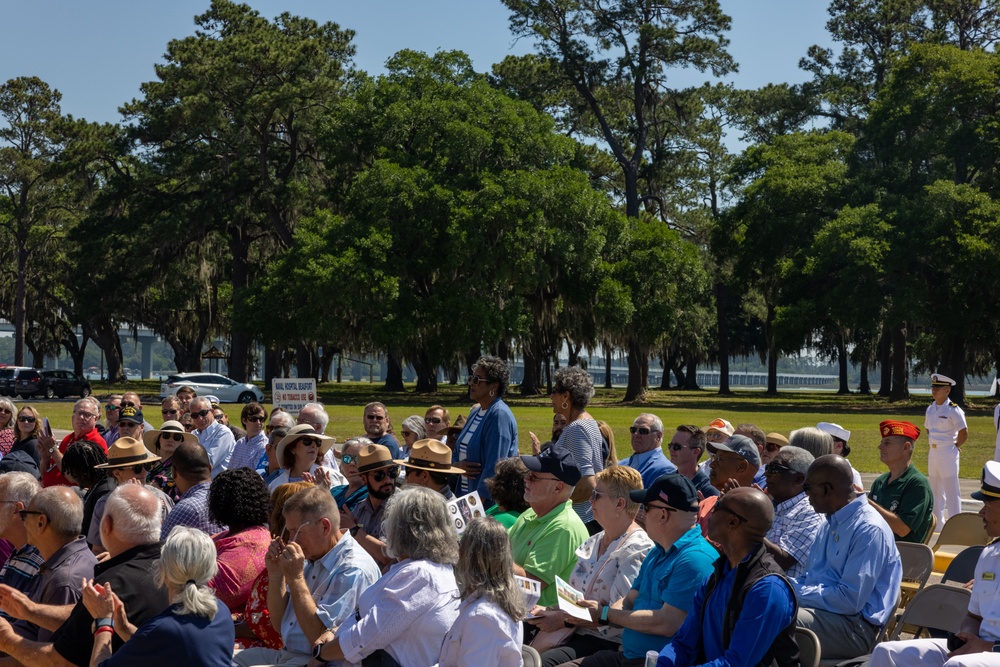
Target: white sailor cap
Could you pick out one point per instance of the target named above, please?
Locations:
(990, 482)
(836, 430)
(938, 380)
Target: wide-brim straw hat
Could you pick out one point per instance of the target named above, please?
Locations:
(431, 455)
(126, 452)
(303, 431)
(152, 438)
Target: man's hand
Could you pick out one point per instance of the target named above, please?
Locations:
(14, 602)
(292, 561)
(272, 558)
(551, 620)
(536, 444)
(973, 644)
(7, 634)
(346, 518)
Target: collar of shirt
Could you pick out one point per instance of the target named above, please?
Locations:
(197, 489)
(65, 552)
(787, 505)
(846, 513)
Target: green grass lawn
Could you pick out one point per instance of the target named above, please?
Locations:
(783, 413)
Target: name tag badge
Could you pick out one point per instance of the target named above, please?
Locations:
(988, 576)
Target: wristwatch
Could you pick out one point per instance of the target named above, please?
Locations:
(996, 647)
(354, 531)
(317, 649)
(605, 610)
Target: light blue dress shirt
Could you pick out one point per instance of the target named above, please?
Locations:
(854, 565)
(651, 465)
(218, 442)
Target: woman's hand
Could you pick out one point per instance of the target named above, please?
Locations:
(551, 620)
(322, 478)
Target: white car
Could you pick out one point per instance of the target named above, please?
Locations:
(205, 384)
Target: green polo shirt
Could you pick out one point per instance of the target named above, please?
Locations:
(909, 498)
(546, 546)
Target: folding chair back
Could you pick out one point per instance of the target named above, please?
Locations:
(809, 648)
(917, 561)
(936, 607)
(530, 656)
(930, 530)
(964, 529)
(962, 568)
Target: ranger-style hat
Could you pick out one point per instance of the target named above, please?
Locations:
(372, 457)
(127, 452)
(431, 455)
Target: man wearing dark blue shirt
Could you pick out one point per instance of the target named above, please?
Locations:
(745, 613)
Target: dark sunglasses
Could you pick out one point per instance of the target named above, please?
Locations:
(24, 514)
(219, 417)
(719, 506)
(640, 430)
(168, 412)
(674, 447)
(392, 472)
(259, 419)
(309, 441)
(432, 420)
(406, 434)
(177, 437)
(128, 404)
(26, 420)
(202, 413)
(773, 468)
(138, 468)
(821, 485)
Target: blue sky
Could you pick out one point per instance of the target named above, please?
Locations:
(97, 53)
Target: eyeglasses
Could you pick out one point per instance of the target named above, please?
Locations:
(771, 447)
(26, 420)
(406, 434)
(773, 468)
(736, 458)
(647, 507)
(25, 513)
(112, 408)
(375, 418)
(534, 477)
(297, 531)
(595, 495)
(259, 419)
(168, 412)
(5, 411)
(474, 380)
(176, 437)
(202, 413)
(432, 420)
(720, 506)
(641, 430)
(138, 468)
(84, 415)
(349, 459)
(392, 473)
(819, 485)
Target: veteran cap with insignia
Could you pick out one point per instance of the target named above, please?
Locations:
(894, 427)
(990, 482)
(938, 380)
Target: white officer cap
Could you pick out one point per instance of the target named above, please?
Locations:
(835, 430)
(938, 380)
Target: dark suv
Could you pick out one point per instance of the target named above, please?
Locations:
(8, 379)
(51, 384)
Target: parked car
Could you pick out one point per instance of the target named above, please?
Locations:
(8, 379)
(205, 384)
(53, 383)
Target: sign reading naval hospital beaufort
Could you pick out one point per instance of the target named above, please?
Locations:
(291, 394)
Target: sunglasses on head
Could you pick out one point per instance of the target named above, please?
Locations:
(392, 473)
(202, 413)
(25, 419)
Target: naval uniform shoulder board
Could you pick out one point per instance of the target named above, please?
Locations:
(952, 404)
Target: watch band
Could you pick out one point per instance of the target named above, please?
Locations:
(605, 610)
(996, 647)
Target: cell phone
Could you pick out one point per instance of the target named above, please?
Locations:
(46, 428)
(954, 642)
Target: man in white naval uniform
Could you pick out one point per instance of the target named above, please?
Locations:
(947, 432)
(981, 627)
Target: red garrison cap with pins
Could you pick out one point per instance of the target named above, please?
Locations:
(893, 427)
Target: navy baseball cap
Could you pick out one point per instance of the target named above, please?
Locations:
(555, 460)
(674, 489)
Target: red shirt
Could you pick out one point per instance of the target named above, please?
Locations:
(53, 476)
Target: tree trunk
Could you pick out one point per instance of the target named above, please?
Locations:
(20, 303)
(105, 334)
(76, 349)
(532, 364)
(634, 390)
(667, 362)
(394, 374)
(426, 373)
(954, 367)
(607, 367)
(842, 362)
(303, 361)
(772, 352)
(900, 369)
(721, 294)
(691, 383)
(271, 358)
(885, 362)
(864, 387)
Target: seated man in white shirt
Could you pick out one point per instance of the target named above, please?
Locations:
(980, 633)
(316, 576)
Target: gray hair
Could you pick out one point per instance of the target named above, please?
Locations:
(314, 504)
(188, 561)
(283, 419)
(417, 526)
(136, 514)
(486, 567)
(656, 421)
(200, 400)
(19, 487)
(9, 404)
(359, 441)
(94, 404)
(496, 370)
(320, 412)
(416, 424)
(63, 509)
(578, 383)
(754, 432)
(816, 442)
(796, 458)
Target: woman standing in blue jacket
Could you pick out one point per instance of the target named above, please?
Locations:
(490, 433)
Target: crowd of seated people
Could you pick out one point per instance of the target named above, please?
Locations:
(188, 544)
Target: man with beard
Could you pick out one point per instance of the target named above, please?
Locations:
(377, 425)
(378, 472)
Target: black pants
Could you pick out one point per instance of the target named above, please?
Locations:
(379, 659)
(578, 646)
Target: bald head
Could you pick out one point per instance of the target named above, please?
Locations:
(755, 507)
(834, 470)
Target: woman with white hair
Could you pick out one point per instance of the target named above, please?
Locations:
(404, 615)
(412, 429)
(194, 630)
(488, 629)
